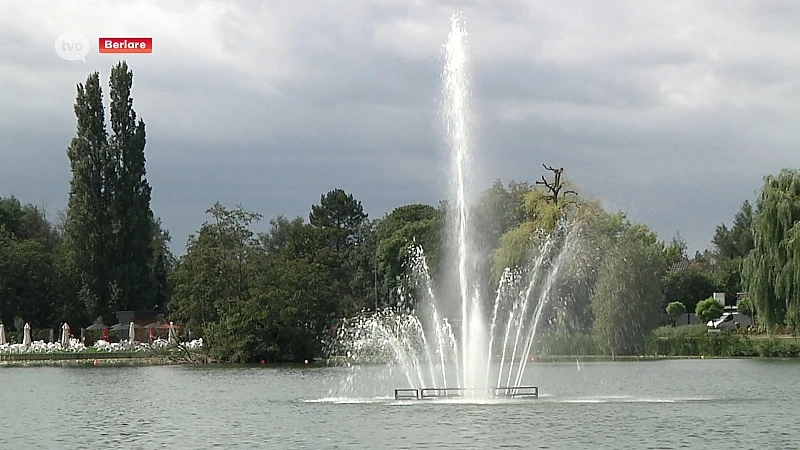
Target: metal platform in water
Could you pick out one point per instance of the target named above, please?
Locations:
(511, 392)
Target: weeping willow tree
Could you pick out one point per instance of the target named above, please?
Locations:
(771, 272)
(544, 205)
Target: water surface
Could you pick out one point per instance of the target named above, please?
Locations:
(743, 404)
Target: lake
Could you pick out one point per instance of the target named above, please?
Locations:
(743, 404)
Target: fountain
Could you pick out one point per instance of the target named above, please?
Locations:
(441, 357)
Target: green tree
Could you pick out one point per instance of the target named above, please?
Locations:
(88, 229)
(544, 205)
(26, 281)
(129, 211)
(498, 210)
(745, 306)
(627, 297)
(727, 276)
(162, 265)
(737, 241)
(689, 285)
(675, 310)
(709, 309)
(340, 212)
(109, 227)
(675, 252)
(27, 222)
(406, 225)
(32, 284)
(303, 289)
(771, 271)
(341, 218)
(216, 271)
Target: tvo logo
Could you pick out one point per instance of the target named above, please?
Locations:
(72, 46)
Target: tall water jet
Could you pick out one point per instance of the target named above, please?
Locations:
(456, 93)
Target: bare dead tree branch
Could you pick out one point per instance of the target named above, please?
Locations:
(554, 188)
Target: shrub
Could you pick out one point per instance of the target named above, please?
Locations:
(675, 310)
(709, 309)
(563, 344)
(681, 331)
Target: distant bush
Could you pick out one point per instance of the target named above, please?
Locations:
(745, 306)
(777, 347)
(574, 344)
(675, 310)
(683, 330)
(709, 309)
(707, 344)
(685, 340)
(690, 341)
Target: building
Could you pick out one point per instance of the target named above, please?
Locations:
(141, 319)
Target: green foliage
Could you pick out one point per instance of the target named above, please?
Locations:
(695, 340)
(689, 286)
(707, 344)
(776, 348)
(34, 281)
(745, 306)
(627, 298)
(562, 344)
(709, 309)
(535, 211)
(675, 252)
(259, 297)
(727, 276)
(687, 340)
(771, 271)
(675, 310)
(342, 221)
(337, 209)
(404, 226)
(514, 248)
(110, 228)
(498, 210)
(683, 330)
(216, 270)
(737, 241)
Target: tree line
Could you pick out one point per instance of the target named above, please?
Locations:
(278, 294)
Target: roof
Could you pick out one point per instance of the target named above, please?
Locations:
(680, 265)
(143, 314)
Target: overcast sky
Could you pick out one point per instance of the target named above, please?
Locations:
(671, 110)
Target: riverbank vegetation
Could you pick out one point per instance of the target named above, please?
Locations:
(684, 341)
(278, 295)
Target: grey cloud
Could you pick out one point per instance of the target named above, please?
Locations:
(546, 82)
(299, 100)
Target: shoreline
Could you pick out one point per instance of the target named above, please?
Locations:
(57, 359)
(100, 362)
(118, 361)
(588, 358)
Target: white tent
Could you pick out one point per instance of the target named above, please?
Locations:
(172, 339)
(65, 335)
(26, 339)
(2, 334)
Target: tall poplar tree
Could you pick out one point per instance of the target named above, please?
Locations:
(110, 227)
(88, 227)
(130, 211)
